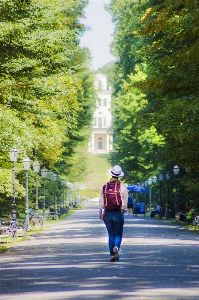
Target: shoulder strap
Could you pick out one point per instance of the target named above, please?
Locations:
(116, 191)
(105, 195)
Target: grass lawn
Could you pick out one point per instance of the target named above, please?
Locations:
(97, 172)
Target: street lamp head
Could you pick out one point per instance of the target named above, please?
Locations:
(27, 163)
(176, 170)
(167, 175)
(13, 155)
(149, 181)
(44, 172)
(160, 177)
(146, 183)
(36, 166)
(54, 177)
(50, 175)
(154, 179)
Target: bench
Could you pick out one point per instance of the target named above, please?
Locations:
(63, 210)
(160, 213)
(4, 232)
(37, 220)
(12, 229)
(53, 215)
(164, 214)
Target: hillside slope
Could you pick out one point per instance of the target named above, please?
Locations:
(97, 171)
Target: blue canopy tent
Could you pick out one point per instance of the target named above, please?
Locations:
(140, 207)
(137, 188)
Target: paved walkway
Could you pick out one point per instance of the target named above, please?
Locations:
(71, 261)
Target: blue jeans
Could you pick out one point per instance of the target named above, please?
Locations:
(114, 221)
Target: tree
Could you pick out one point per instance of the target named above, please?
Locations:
(46, 88)
(164, 36)
(126, 18)
(136, 147)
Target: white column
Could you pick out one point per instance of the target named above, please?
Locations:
(107, 143)
(111, 141)
(93, 142)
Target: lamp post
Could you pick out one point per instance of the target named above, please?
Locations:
(50, 178)
(176, 172)
(54, 177)
(154, 179)
(67, 194)
(27, 165)
(13, 158)
(142, 184)
(187, 169)
(146, 186)
(149, 183)
(168, 202)
(36, 168)
(63, 193)
(160, 178)
(44, 173)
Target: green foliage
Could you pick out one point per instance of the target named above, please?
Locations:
(134, 144)
(126, 18)
(162, 36)
(46, 87)
(172, 58)
(109, 71)
(4, 248)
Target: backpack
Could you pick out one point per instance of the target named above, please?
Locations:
(112, 195)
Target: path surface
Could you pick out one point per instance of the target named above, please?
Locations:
(71, 261)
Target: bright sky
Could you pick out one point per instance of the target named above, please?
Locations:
(98, 38)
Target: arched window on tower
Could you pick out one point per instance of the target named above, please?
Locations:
(99, 102)
(104, 102)
(99, 84)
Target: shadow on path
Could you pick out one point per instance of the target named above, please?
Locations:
(71, 261)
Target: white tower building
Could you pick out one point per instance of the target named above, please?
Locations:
(102, 139)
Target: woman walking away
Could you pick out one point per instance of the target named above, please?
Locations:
(112, 205)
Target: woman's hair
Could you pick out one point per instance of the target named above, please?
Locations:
(114, 179)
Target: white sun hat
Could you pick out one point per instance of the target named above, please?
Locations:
(116, 171)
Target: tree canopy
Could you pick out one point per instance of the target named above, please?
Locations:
(156, 114)
(46, 86)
